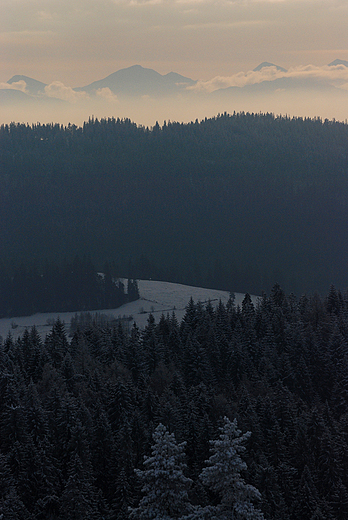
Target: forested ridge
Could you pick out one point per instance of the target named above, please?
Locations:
(236, 202)
(77, 417)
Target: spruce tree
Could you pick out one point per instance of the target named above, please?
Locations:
(223, 476)
(164, 483)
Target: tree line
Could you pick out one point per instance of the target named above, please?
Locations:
(81, 419)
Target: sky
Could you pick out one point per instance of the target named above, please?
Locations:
(71, 43)
(79, 41)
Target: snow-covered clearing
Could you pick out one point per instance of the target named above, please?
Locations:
(155, 297)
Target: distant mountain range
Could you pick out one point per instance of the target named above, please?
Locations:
(146, 96)
(135, 81)
(140, 81)
(279, 85)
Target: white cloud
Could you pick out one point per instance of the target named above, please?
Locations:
(145, 2)
(45, 16)
(334, 75)
(58, 90)
(18, 85)
(106, 94)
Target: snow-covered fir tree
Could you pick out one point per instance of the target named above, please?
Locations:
(223, 476)
(164, 483)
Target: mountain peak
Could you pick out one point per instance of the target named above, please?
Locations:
(268, 64)
(178, 78)
(137, 80)
(34, 87)
(338, 62)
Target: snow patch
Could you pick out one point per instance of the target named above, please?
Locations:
(155, 297)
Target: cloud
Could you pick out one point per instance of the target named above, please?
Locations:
(18, 85)
(334, 75)
(58, 90)
(145, 2)
(106, 94)
(45, 16)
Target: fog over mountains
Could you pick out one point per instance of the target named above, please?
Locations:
(129, 82)
(145, 96)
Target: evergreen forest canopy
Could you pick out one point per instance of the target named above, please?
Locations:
(237, 202)
(91, 428)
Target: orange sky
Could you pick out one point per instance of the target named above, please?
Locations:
(71, 43)
(79, 41)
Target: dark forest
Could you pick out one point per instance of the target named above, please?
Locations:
(107, 422)
(77, 416)
(237, 202)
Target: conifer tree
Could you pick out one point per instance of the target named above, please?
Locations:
(164, 483)
(80, 500)
(223, 476)
(56, 343)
